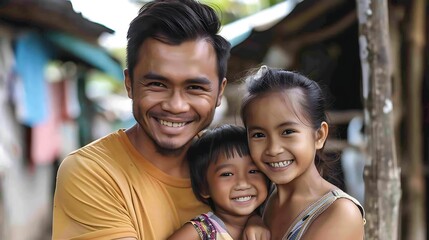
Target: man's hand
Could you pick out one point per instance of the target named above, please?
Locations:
(255, 229)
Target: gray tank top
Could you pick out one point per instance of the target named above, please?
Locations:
(306, 217)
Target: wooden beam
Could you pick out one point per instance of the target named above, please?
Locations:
(382, 173)
(302, 40)
(415, 37)
(297, 22)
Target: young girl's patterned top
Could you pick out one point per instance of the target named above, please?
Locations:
(210, 227)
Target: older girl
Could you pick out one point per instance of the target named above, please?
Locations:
(284, 114)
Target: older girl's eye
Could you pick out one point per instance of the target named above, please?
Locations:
(288, 131)
(258, 135)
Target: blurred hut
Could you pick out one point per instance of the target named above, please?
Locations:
(46, 51)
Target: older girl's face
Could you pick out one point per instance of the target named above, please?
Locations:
(282, 145)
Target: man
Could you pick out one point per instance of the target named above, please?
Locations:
(134, 183)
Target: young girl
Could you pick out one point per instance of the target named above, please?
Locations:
(284, 114)
(224, 177)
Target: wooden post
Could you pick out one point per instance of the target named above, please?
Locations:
(415, 36)
(381, 174)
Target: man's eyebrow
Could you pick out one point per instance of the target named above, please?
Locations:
(153, 76)
(197, 80)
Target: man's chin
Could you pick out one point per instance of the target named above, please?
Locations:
(170, 148)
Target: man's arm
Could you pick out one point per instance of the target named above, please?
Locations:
(88, 203)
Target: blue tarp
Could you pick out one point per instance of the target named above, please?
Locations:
(32, 53)
(93, 55)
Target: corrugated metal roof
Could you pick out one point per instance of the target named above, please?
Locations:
(236, 32)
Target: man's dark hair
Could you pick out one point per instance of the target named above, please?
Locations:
(173, 22)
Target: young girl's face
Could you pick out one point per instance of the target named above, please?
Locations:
(236, 185)
(282, 143)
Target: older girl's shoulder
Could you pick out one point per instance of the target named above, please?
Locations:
(343, 219)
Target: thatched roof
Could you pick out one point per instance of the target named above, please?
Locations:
(53, 15)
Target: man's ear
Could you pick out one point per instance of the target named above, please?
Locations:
(321, 135)
(221, 89)
(128, 83)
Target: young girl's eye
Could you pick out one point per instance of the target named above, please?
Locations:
(258, 135)
(226, 174)
(254, 171)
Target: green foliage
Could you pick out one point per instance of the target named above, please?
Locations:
(231, 10)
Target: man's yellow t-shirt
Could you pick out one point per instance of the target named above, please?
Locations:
(107, 190)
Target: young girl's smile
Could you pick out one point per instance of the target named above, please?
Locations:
(236, 185)
(282, 145)
(224, 177)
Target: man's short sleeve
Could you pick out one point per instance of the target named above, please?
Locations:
(88, 203)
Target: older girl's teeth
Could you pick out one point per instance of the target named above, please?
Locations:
(243, 199)
(171, 124)
(280, 164)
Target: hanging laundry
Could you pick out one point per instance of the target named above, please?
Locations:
(10, 141)
(7, 61)
(32, 55)
(45, 142)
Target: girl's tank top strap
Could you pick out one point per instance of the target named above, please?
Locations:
(304, 220)
(340, 194)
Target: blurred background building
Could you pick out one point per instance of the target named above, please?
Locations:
(47, 53)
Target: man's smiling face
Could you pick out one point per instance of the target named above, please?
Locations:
(175, 90)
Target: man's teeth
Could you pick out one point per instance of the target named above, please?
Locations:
(243, 199)
(171, 124)
(280, 164)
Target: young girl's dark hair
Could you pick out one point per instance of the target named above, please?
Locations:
(311, 103)
(229, 140)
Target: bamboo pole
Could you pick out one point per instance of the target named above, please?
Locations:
(381, 174)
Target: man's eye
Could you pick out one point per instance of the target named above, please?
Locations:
(195, 87)
(156, 84)
(227, 174)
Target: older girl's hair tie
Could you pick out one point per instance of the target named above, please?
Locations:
(262, 70)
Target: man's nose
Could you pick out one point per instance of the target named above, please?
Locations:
(175, 103)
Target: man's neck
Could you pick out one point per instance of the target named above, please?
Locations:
(172, 163)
